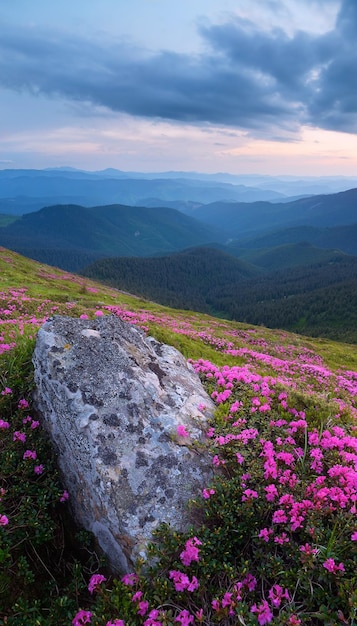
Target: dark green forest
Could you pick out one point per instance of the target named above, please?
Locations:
(316, 300)
(65, 233)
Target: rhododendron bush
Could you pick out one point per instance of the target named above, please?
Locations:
(275, 538)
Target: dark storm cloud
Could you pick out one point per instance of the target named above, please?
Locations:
(262, 82)
(334, 102)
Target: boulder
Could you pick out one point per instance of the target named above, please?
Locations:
(112, 399)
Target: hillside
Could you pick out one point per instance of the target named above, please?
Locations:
(283, 438)
(281, 257)
(292, 255)
(71, 236)
(257, 218)
(340, 237)
(183, 280)
(317, 298)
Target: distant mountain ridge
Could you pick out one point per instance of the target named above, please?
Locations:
(342, 237)
(51, 233)
(253, 219)
(24, 191)
(69, 233)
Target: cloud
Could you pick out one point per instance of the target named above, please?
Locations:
(334, 102)
(264, 82)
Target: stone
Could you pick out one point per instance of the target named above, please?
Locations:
(111, 399)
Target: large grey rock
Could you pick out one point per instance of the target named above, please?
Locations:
(111, 399)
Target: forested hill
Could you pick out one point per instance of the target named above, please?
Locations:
(71, 236)
(250, 219)
(319, 299)
(342, 237)
(185, 280)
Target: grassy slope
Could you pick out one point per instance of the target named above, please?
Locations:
(48, 287)
(30, 292)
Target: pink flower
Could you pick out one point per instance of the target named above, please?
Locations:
(154, 614)
(215, 605)
(279, 517)
(191, 552)
(19, 436)
(281, 539)
(308, 550)
(249, 494)
(217, 461)
(227, 599)
(143, 607)
(207, 493)
(331, 566)
(152, 618)
(30, 454)
(294, 620)
(6, 392)
(38, 469)
(250, 581)
(276, 594)
(99, 313)
(117, 622)
(150, 621)
(185, 618)
(137, 596)
(130, 579)
(65, 496)
(4, 424)
(263, 611)
(181, 431)
(265, 534)
(271, 492)
(84, 316)
(194, 584)
(95, 580)
(354, 536)
(4, 520)
(23, 404)
(82, 617)
(182, 581)
(34, 424)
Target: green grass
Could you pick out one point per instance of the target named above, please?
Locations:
(46, 562)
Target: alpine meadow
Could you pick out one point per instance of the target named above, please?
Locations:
(277, 540)
(178, 313)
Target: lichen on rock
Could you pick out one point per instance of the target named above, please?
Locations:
(112, 399)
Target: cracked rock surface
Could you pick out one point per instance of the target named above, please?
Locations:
(111, 399)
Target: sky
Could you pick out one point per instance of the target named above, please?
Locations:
(238, 86)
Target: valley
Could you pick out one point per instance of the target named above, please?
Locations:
(284, 264)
